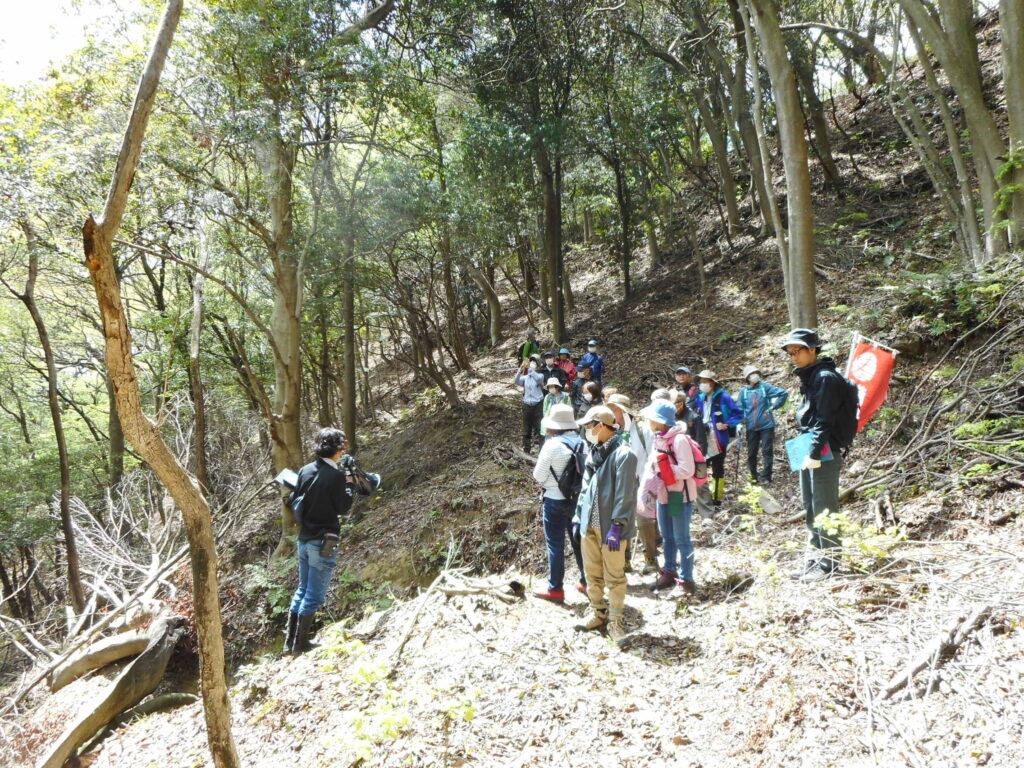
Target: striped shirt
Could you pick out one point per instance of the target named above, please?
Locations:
(552, 460)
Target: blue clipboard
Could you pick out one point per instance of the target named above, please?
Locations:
(799, 448)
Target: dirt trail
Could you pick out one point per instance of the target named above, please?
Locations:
(778, 674)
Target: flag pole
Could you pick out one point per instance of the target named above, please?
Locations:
(853, 348)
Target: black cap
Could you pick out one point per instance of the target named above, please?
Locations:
(803, 337)
(549, 353)
(683, 369)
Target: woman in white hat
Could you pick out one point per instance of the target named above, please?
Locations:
(555, 457)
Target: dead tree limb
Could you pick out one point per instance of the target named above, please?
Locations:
(99, 654)
(941, 648)
(136, 681)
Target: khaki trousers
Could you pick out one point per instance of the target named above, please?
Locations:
(604, 569)
(647, 528)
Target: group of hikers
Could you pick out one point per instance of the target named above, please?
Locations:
(610, 472)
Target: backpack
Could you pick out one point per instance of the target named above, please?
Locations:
(570, 482)
(847, 417)
(700, 464)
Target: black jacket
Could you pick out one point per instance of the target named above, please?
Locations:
(326, 497)
(822, 388)
(558, 373)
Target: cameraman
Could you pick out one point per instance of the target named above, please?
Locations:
(325, 488)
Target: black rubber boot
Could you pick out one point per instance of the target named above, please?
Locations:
(302, 644)
(289, 638)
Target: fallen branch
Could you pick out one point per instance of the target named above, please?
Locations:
(941, 648)
(136, 681)
(99, 654)
(423, 600)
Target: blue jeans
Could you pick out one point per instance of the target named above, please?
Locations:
(675, 534)
(314, 578)
(558, 525)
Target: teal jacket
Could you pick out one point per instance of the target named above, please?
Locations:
(610, 475)
(757, 404)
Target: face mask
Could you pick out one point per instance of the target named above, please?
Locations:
(705, 388)
(754, 379)
(592, 436)
(591, 349)
(554, 390)
(549, 363)
(533, 366)
(587, 396)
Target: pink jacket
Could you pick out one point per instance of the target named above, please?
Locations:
(674, 443)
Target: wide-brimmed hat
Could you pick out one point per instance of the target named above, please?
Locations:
(707, 373)
(601, 413)
(660, 412)
(749, 369)
(802, 337)
(559, 418)
(621, 402)
(553, 382)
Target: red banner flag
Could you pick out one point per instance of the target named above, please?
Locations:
(870, 369)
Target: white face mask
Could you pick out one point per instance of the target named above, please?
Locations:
(587, 396)
(592, 436)
(554, 390)
(705, 388)
(533, 366)
(591, 349)
(549, 363)
(754, 379)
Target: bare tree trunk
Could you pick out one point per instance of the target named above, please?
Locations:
(195, 375)
(144, 435)
(803, 308)
(803, 66)
(493, 304)
(1011, 26)
(115, 436)
(781, 236)
(552, 241)
(348, 360)
(28, 298)
(713, 125)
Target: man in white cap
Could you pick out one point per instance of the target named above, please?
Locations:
(604, 519)
(557, 456)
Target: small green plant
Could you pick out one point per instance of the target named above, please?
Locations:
(751, 499)
(978, 470)
(275, 579)
(865, 547)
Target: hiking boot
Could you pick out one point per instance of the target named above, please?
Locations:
(617, 631)
(301, 643)
(554, 595)
(598, 618)
(807, 567)
(665, 580)
(817, 573)
(289, 638)
(686, 586)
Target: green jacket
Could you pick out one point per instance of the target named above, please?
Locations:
(610, 474)
(529, 347)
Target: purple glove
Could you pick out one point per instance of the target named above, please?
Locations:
(614, 536)
(576, 532)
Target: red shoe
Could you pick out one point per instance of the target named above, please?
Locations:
(581, 588)
(554, 595)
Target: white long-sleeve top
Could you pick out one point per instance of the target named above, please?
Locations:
(532, 383)
(552, 460)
